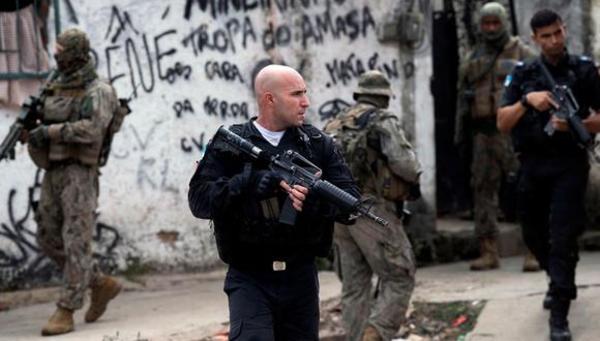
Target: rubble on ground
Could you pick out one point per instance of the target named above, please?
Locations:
(427, 321)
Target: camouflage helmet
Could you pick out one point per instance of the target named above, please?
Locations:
(75, 52)
(373, 82)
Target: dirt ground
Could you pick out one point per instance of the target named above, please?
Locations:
(448, 321)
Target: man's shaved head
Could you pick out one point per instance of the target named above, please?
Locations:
(270, 77)
(281, 97)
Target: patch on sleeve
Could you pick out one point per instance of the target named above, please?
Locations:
(508, 80)
(87, 107)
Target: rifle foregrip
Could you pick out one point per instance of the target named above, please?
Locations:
(345, 200)
(336, 195)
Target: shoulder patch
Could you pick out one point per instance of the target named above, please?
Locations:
(87, 107)
(508, 80)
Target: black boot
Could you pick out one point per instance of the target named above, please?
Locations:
(559, 325)
(547, 301)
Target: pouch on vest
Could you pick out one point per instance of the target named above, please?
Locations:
(39, 156)
(393, 187)
(116, 122)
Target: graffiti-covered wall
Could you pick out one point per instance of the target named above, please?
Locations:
(188, 66)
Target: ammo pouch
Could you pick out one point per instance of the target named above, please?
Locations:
(39, 156)
(225, 237)
(392, 187)
(114, 126)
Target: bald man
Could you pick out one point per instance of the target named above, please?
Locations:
(272, 282)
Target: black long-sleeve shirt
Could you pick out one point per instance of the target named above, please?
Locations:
(580, 75)
(247, 228)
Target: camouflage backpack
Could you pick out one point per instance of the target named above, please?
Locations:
(357, 139)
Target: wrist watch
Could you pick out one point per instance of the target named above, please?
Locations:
(524, 102)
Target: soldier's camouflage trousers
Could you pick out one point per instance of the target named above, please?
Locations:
(492, 157)
(365, 249)
(65, 218)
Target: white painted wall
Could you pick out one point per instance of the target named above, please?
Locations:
(144, 186)
(595, 29)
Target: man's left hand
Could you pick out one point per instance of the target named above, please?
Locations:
(592, 122)
(296, 193)
(38, 136)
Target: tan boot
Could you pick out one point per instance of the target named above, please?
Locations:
(60, 322)
(530, 264)
(371, 334)
(489, 255)
(107, 289)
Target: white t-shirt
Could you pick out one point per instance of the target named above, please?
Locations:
(273, 137)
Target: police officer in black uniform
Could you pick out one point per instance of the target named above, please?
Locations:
(272, 282)
(554, 169)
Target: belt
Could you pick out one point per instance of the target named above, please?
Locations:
(66, 162)
(276, 264)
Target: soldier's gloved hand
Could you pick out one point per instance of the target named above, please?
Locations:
(39, 136)
(266, 182)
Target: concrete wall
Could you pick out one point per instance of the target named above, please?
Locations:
(575, 14)
(189, 65)
(595, 27)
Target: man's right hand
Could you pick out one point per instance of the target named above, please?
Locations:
(542, 100)
(24, 137)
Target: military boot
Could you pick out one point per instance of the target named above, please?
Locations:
(60, 322)
(489, 255)
(105, 290)
(530, 264)
(559, 325)
(371, 334)
(547, 301)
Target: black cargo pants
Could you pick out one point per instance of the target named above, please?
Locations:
(551, 208)
(269, 305)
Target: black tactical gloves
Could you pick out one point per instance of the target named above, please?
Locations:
(262, 183)
(265, 183)
(39, 136)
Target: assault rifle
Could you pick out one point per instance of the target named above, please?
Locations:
(297, 170)
(27, 120)
(567, 110)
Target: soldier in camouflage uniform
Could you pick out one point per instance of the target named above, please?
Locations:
(366, 249)
(480, 87)
(76, 115)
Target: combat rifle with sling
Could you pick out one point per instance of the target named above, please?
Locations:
(297, 170)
